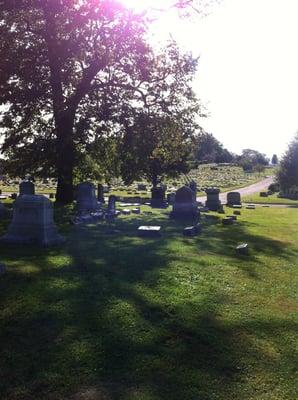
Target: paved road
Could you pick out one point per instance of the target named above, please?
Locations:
(255, 188)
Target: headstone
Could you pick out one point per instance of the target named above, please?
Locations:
(86, 198)
(112, 205)
(251, 207)
(213, 202)
(126, 211)
(233, 198)
(26, 187)
(142, 187)
(158, 197)
(32, 222)
(185, 205)
(237, 212)
(100, 193)
(227, 221)
(242, 249)
(237, 206)
(233, 217)
(192, 230)
(263, 194)
(149, 231)
(136, 211)
(194, 188)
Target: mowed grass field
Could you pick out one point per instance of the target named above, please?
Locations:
(112, 316)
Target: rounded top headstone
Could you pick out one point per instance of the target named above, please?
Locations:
(184, 194)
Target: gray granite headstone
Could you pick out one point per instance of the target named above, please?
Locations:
(233, 198)
(185, 205)
(158, 197)
(26, 187)
(86, 198)
(100, 193)
(32, 222)
(213, 202)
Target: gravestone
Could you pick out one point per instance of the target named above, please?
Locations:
(227, 221)
(32, 222)
(26, 187)
(242, 249)
(185, 205)
(194, 188)
(233, 199)
(86, 198)
(251, 207)
(237, 212)
(263, 194)
(136, 211)
(149, 231)
(213, 202)
(126, 211)
(158, 197)
(100, 193)
(142, 187)
(192, 230)
(112, 205)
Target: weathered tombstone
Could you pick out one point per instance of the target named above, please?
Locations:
(86, 198)
(227, 221)
(194, 188)
(32, 222)
(126, 211)
(142, 187)
(242, 249)
(26, 187)
(263, 194)
(192, 230)
(185, 205)
(112, 205)
(233, 198)
(158, 197)
(100, 193)
(213, 202)
(149, 231)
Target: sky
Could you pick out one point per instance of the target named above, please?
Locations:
(247, 76)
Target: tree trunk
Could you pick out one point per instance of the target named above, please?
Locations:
(65, 160)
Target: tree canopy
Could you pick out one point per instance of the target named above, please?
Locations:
(287, 174)
(207, 149)
(73, 72)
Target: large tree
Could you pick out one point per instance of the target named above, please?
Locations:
(287, 175)
(72, 71)
(207, 149)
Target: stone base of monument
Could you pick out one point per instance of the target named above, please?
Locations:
(237, 206)
(149, 231)
(32, 223)
(227, 221)
(213, 206)
(242, 249)
(191, 231)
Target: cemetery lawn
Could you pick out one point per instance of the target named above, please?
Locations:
(273, 199)
(112, 316)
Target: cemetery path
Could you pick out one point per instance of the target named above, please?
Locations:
(251, 189)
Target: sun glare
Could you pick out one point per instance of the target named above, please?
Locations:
(141, 5)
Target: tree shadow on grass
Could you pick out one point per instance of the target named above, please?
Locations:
(103, 325)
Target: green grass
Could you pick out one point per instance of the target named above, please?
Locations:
(273, 199)
(113, 316)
